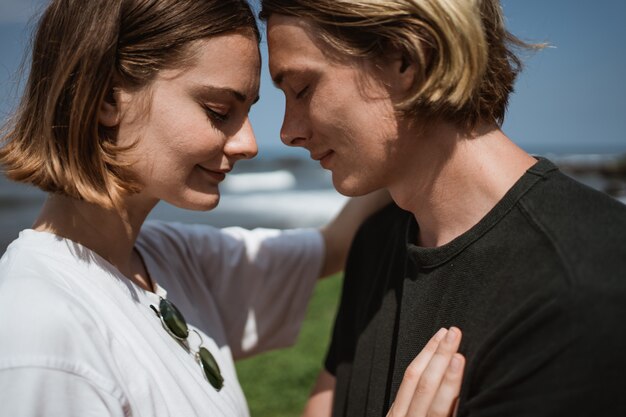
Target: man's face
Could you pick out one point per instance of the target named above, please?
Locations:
(341, 111)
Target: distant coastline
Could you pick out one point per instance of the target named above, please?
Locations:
(287, 190)
(605, 172)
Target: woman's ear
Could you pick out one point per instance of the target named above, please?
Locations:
(109, 111)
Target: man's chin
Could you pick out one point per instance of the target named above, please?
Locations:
(349, 187)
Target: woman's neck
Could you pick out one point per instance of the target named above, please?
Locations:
(108, 232)
(454, 181)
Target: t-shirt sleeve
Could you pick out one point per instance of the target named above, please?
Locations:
(260, 280)
(341, 348)
(355, 310)
(558, 357)
(41, 392)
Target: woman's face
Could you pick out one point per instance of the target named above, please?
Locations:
(191, 125)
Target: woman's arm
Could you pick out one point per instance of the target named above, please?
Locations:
(340, 231)
(320, 402)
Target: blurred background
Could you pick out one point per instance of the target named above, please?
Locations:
(568, 106)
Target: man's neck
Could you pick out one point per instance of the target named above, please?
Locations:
(109, 233)
(454, 181)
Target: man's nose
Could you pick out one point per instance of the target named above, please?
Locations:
(295, 129)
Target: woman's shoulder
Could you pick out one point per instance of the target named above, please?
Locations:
(45, 322)
(49, 337)
(35, 294)
(38, 301)
(44, 260)
(42, 323)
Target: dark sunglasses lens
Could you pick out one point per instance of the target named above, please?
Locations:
(173, 319)
(210, 368)
(176, 324)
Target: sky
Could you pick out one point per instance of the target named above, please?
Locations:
(570, 97)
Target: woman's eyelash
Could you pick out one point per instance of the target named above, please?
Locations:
(215, 115)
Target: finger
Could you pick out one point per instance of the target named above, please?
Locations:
(446, 398)
(456, 408)
(432, 376)
(413, 373)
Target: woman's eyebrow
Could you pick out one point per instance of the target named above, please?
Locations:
(209, 90)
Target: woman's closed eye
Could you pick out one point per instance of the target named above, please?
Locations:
(218, 116)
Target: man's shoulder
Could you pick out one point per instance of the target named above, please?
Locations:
(558, 191)
(586, 227)
(565, 205)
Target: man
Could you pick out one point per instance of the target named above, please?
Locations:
(409, 96)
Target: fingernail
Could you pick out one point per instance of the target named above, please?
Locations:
(452, 334)
(440, 334)
(456, 364)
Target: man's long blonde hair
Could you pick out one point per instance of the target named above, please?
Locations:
(464, 54)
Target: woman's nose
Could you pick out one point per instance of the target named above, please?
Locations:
(243, 144)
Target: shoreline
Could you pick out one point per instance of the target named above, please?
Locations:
(285, 192)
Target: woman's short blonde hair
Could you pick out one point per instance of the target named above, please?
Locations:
(81, 48)
(464, 54)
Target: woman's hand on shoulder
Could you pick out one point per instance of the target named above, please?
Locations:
(340, 231)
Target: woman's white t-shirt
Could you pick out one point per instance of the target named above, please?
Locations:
(77, 338)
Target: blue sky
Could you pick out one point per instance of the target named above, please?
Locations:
(570, 97)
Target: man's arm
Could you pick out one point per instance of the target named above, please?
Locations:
(320, 401)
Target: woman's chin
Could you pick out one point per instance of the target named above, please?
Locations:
(198, 202)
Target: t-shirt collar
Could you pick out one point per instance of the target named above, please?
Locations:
(434, 257)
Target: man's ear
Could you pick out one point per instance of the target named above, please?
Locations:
(109, 111)
(400, 72)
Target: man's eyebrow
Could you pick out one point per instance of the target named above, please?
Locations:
(278, 79)
(210, 90)
(280, 76)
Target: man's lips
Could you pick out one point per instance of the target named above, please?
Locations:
(324, 158)
(320, 156)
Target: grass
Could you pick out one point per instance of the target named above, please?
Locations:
(278, 383)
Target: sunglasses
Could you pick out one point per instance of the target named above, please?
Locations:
(175, 324)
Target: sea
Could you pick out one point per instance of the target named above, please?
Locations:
(282, 189)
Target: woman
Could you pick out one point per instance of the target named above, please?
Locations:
(130, 102)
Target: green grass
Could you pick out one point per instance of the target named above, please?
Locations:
(278, 383)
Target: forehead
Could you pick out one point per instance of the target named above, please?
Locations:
(230, 60)
(294, 46)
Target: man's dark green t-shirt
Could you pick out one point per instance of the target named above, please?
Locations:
(538, 288)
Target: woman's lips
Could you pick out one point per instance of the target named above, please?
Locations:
(216, 175)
